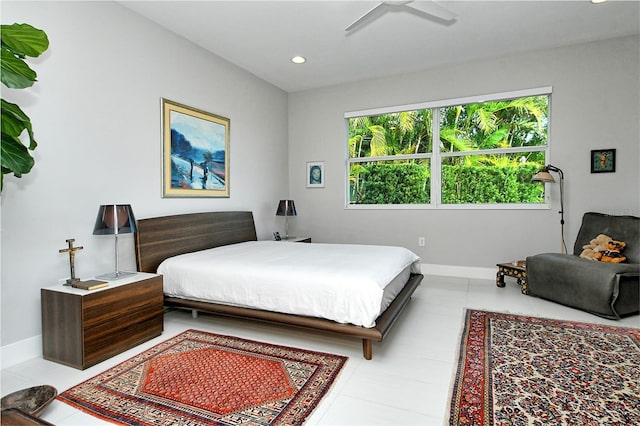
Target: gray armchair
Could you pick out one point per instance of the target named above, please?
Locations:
(610, 290)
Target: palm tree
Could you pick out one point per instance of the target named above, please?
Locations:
(511, 123)
(406, 132)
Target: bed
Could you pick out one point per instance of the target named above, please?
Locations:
(161, 240)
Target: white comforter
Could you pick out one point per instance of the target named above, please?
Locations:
(340, 282)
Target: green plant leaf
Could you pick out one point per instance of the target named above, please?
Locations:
(14, 121)
(17, 41)
(378, 141)
(24, 40)
(15, 156)
(14, 72)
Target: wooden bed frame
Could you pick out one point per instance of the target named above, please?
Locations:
(163, 237)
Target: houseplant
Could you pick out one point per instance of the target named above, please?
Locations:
(18, 41)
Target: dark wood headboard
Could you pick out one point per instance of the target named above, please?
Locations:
(159, 238)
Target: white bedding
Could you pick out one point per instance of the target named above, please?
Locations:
(341, 282)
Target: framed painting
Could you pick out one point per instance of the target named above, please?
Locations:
(315, 174)
(195, 153)
(603, 161)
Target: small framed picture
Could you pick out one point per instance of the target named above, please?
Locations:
(315, 174)
(603, 161)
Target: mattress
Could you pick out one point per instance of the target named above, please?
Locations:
(345, 283)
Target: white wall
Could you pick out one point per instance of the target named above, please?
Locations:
(595, 105)
(96, 114)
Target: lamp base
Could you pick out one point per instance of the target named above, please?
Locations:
(115, 275)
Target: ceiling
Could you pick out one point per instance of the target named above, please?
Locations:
(262, 36)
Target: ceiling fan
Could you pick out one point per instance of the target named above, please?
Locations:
(430, 8)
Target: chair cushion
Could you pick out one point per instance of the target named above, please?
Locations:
(606, 289)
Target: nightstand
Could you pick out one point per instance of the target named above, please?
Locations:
(81, 328)
(297, 239)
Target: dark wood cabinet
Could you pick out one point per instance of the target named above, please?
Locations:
(81, 328)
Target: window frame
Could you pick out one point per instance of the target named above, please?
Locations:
(435, 157)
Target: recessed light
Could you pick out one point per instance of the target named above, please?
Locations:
(298, 59)
(597, 1)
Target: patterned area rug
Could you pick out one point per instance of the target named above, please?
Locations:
(199, 378)
(518, 370)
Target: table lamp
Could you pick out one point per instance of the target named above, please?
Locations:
(115, 219)
(286, 208)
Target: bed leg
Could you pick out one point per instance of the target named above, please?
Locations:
(367, 348)
(194, 314)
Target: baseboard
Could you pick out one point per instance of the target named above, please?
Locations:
(459, 271)
(18, 352)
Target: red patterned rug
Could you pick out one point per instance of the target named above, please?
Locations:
(199, 378)
(519, 370)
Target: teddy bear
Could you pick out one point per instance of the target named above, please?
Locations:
(593, 250)
(612, 253)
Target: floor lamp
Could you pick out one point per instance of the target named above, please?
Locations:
(546, 177)
(115, 219)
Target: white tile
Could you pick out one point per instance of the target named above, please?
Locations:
(11, 382)
(406, 383)
(356, 411)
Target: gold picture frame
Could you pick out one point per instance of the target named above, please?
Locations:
(195, 152)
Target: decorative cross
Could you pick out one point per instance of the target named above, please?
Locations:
(72, 256)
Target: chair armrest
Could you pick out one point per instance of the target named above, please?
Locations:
(555, 260)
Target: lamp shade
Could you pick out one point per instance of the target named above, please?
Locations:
(115, 219)
(286, 208)
(543, 176)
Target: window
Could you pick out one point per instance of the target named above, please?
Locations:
(487, 151)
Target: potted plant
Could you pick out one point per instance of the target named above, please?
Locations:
(18, 41)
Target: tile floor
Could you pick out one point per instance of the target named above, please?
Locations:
(406, 383)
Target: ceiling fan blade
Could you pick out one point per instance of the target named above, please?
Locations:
(434, 9)
(366, 17)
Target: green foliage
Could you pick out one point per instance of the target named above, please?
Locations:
(17, 42)
(474, 176)
(490, 184)
(486, 125)
(406, 132)
(406, 183)
(15, 157)
(498, 124)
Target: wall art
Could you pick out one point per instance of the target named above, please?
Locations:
(196, 152)
(315, 174)
(603, 161)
